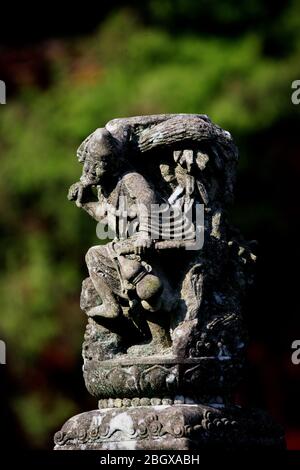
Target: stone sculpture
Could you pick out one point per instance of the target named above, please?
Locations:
(165, 342)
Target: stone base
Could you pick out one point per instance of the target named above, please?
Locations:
(169, 427)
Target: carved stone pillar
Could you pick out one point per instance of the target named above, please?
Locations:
(165, 340)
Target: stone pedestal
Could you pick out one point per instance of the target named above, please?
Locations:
(169, 427)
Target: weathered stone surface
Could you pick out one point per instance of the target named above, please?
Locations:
(181, 427)
(165, 338)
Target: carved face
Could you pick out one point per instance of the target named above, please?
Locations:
(97, 153)
(94, 170)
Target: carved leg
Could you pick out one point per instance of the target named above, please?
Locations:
(105, 280)
(110, 307)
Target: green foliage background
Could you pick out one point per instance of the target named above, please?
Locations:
(141, 60)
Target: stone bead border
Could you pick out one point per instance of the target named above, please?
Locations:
(132, 402)
(145, 401)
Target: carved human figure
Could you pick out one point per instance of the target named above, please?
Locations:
(133, 170)
(119, 269)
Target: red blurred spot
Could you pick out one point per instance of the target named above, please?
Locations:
(293, 439)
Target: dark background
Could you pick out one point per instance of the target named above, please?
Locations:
(69, 70)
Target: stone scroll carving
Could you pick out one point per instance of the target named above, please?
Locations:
(165, 287)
